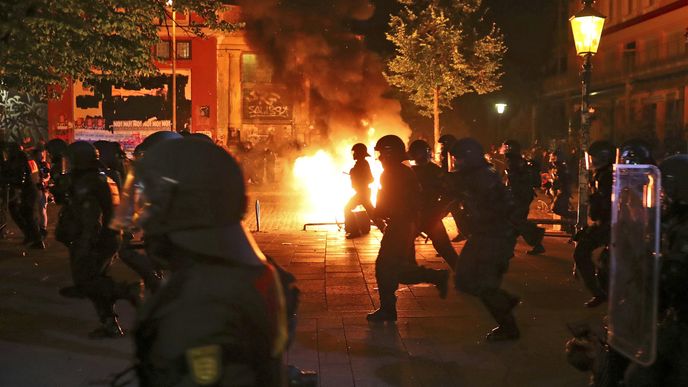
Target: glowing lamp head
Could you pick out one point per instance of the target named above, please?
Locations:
(501, 107)
(587, 27)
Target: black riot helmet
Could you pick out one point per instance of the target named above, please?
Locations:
(511, 148)
(602, 154)
(108, 153)
(391, 149)
(82, 155)
(675, 179)
(153, 139)
(446, 141)
(56, 147)
(635, 151)
(420, 151)
(196, 201)
(360, 151)
(468, 154)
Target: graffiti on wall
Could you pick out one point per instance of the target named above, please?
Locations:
(22, 116)
(266, 104)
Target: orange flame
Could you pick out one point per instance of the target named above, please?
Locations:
(324, 181)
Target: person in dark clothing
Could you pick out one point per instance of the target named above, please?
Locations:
(44, 167)
(434, 202)
(521, 179)
(220, 318)
(446, 141)
(361, 178)
(669, 368)
(636, 151)
(142, 262)
(597, 234)
(487, 206)
(82, 227)
(23, 178)
(399, 202)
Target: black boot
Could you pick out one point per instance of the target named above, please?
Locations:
(507, 330)
(109, 329)
(301, 378)
(441, 282)
(382, 315)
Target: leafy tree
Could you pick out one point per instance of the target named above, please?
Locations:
(46, 43)
(443, 50)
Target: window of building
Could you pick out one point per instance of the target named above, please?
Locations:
(629, 56)
(630, 7)
(255, 70)
(162, 50)
(651, 51)
(183, 50)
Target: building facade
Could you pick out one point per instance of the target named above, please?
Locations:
(639, 76)
(224, 90)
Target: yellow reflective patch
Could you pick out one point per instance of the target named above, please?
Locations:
(114, 191)
(205, 364)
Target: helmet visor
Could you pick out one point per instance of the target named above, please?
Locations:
(133, 203)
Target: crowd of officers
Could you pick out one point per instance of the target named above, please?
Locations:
(225, 313)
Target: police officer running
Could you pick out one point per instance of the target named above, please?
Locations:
(398, 202)
(434, 203)
(219, 319)
(83, 227)
(521, 178)
(361, 177)
(487, 206)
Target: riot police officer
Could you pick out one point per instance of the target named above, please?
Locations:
(521, 179)
(219, 319)
(434, 202)
(596, 235)
(446, 142)
(361, 177)
(487, 206)
(141, 262)
(23, 179)
(670, 368)
(83, 227)
(398, 202)
(635, 151)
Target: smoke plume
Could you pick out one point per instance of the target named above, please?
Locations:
(310, 45)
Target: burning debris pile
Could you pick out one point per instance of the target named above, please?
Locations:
(313, 51)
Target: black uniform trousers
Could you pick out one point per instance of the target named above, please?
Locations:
(89, 271)
(588, 240)
(139, 263)
(396, 262)
(530, 232)
(22, 204)
(482, 263)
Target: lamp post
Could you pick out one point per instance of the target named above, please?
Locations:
(587, 26)
(501, 108)
(174, 65)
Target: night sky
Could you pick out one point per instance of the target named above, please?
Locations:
(528, 27)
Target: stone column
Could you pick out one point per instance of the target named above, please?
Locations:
(235, 89)
(222, 94)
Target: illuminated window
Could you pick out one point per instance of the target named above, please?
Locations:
(255, 70)
(162, 50)
(183, 50)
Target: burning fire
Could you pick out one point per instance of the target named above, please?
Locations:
(324, 180)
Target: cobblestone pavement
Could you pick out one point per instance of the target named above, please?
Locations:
(435, 342)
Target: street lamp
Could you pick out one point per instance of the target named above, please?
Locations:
(501, 108)
(174, 65)
(587, 26)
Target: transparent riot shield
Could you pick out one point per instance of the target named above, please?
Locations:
(634, 266)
